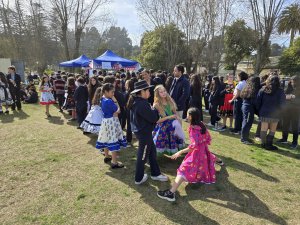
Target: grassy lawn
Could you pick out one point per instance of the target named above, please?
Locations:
(51, 173)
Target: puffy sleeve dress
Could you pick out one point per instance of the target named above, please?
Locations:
(198, 166)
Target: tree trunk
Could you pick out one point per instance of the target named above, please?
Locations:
(78, 34)
(292, 37)
(64, 40)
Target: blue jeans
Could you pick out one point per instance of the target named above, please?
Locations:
(248, 117)
(238, 114)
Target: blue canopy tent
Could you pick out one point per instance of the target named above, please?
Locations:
(110, 60)
(82, 61)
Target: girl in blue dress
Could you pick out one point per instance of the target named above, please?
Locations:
(165, 135)
(111, 137)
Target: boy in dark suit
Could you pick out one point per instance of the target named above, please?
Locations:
(14, 83)
(81, 97)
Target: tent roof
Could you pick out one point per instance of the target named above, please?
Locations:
(110, 56)
(82, 61)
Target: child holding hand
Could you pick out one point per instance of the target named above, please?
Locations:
(198, 165)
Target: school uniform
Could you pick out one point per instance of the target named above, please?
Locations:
(14, 89)
(81, 96)
(143, 120)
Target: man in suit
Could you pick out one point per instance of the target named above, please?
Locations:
(14, 83)
(180, 89)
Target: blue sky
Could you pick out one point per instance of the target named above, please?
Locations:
(125, 15)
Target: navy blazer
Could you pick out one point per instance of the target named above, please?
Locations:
(17, 80)
(142, 117)
(181, 92)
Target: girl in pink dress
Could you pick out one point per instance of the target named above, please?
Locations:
(198, 165)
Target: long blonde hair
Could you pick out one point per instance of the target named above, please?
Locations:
(159, 102)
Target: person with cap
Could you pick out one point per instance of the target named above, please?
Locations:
(143, 120)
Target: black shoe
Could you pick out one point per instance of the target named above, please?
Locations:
(79, 128)
(247, 142)
(19, 109)
(282, 141)
(107, 159)
(61, 111)
(166, 195)
(293, 146)
(220, 162)
(269, 144)
(6, 112)
(85, 133)
(116, 166)
(271, 147)
(233, 131)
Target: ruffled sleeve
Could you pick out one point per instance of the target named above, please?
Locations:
(196, 138)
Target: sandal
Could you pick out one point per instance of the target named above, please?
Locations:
(116, 166)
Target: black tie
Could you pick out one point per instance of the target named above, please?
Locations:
(173, 86)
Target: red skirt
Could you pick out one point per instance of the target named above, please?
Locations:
(227, 108)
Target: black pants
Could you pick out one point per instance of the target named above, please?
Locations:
(16, 97)
(147, 150)
(128, 130)
(206, 98)
(81, 114)
(248, 117)
(238, 114)
(122, 118)
(213, 111)
(292, 119)
(61, 99)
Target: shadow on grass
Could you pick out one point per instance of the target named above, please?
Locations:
(180, 212)
(247, 169)
(56, 120)
(229, 196)
(12, 115)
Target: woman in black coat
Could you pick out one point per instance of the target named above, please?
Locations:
(214, 100)
(196, 94)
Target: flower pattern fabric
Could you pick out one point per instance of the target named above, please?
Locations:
(198, 165)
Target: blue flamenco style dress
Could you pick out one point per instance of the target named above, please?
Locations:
(110, 134)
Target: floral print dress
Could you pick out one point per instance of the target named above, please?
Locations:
(198, 165)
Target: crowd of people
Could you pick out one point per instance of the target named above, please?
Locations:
(152, 105)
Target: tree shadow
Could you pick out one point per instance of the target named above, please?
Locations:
(227, 195)
(230, 162)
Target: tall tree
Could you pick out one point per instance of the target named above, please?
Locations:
(64, 9)
(289, 21)
(240, 41)
(156, 46)
(117, 40)
(265, 15)
(84, 11)
(289, 62)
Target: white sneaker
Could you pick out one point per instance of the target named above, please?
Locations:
(210, 125)
(145, 178)
(161, 177)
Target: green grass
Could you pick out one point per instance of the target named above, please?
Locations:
(52, 174)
